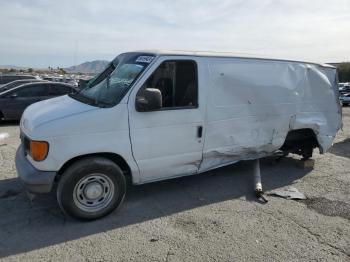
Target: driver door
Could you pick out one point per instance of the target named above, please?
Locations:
(168, 142)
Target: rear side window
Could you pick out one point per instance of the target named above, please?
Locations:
(177, 82)
(59, 90)
(33, 91)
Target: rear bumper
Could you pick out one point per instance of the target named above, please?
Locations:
(34, 180)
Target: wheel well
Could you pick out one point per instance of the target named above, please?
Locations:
(300, 140)
(120, 161)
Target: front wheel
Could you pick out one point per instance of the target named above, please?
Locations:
(91, 188)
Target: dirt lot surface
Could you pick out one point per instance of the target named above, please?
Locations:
(210, 217)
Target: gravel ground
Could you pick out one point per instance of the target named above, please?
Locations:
(210, 217)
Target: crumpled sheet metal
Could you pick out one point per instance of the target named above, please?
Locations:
(253, 104)
(288, 193)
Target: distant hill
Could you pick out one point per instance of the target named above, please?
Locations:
(88, 67)
(13, 67)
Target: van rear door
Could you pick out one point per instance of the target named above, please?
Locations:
(168, 142)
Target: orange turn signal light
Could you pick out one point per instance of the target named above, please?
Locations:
(39, 150)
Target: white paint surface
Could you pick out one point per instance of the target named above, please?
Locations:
(246, 107)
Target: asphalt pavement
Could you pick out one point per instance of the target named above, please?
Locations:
(210, 217)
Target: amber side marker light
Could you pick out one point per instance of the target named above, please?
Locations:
(39, 150)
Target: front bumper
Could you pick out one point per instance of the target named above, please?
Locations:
(34, 180)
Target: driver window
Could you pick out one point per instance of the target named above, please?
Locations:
(177, 83)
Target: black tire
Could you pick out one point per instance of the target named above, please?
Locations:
(307, 153)
(68, 193)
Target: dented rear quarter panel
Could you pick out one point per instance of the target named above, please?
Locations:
(253, 103)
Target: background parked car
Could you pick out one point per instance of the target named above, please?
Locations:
(13, 102)
(17, 83)
(344, 88)
(7, 78)
(345, 99)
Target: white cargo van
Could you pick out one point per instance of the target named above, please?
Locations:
(158, 115)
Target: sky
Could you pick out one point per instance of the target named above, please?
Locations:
(42, 33)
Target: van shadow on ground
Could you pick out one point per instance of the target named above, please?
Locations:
(25, 227)
(341, 148)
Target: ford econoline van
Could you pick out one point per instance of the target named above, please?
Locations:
(159, 115)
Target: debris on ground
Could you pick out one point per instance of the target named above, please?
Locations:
(154, 240)
(288, 193)
(2, 137)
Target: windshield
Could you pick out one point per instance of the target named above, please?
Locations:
(110, 86)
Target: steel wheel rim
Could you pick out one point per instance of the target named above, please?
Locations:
(93, 192)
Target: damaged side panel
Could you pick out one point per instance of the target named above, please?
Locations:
(253, 104)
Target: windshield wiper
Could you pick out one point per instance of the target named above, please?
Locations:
(90, 101)
(102, 104)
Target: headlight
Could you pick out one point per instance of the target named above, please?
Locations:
(39, 150)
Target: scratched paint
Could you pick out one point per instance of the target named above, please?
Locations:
(282, 96)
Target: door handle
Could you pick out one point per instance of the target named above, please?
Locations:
(199, 131)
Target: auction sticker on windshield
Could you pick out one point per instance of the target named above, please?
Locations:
(144, 59)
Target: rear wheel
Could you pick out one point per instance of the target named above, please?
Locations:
(301, 142)
(91, 188)
(307, 153)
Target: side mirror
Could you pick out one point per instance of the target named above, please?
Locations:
(149, 99)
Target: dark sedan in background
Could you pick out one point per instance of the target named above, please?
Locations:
(345, 99)
(13, 102)
(16, 83)
(7, 78)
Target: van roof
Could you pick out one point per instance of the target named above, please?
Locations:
(225, 54)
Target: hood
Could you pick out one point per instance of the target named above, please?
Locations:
(49, 110)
